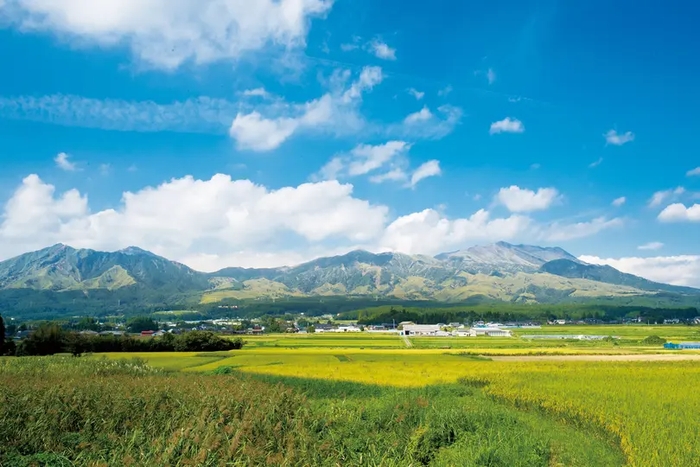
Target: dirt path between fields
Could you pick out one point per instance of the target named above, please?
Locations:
(598, 358)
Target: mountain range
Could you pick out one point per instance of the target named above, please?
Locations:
(59, 275)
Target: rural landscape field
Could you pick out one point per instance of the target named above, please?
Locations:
(360, 400)
(349, 233)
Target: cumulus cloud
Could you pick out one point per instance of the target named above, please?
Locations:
(62, 162)
(429, 232)
(677, 212)
(381, 50)
(507, 125)
(694, 172)
(559, 232)
(517, 199)
(617, 139)
(335, 111)
(427, 169)
(186, 216)
(651, 246)
(617, 202)
(677, 270)
(218, 222)
(164, 33)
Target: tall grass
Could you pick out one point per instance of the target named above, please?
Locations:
(71, 411)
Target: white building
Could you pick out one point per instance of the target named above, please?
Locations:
(490, 332)
(421, 330)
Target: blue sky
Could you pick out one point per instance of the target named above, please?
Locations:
(352, 124)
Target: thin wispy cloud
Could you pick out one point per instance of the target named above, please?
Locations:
(199, 115)
(596, 163)
(619, 201)
(693, 173)
(416, 93)
(652, 246)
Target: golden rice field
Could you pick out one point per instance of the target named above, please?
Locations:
(321, 399)
(649, 407)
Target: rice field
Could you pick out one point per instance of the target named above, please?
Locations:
(637, 413)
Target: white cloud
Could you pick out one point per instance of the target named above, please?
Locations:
(165, 33)
(209, 224)
(331, 171)
(348, 47)
(507, 125)
(661, 197)
(651, 246)
(491, 76)
(366, 158)
(677, 270)
(381, 50)
(422, 115)
(518, 199)
(616, 139)
(416, 93)
(619, 201)
(200, 115)
(252, 131)
(558, 232)
(428, 232)
(677, 212)
(694, 172)
(335, 111)
(596, 163)
(257, 92)
(391, 158)
(62, 162)
(186, 217)
(445, 91)
(394, 175)
(105, 169)
(427, 169)
(426, 124)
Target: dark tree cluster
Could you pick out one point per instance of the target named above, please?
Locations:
(49, 339)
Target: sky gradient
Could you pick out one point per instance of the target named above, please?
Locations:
(234, 133)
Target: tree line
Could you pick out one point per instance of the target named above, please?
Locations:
(50, 339)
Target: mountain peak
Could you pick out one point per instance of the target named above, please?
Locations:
(134, 250)
(503, 256)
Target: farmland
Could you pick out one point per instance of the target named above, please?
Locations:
(322, 397)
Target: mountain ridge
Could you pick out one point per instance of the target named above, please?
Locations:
(499, 271)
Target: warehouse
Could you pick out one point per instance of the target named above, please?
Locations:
(421, 330)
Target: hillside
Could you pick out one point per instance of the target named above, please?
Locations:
(65, 280)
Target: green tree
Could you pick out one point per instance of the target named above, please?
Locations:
(2, 334)
(47, 339)
(88, 323)
(141, 323)
(311, 329)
